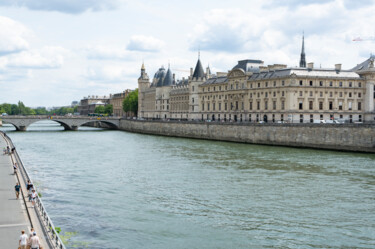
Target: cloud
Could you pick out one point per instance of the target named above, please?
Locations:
(110, 73)
(108, 53)
(13, 36)
(65, 6)
(145, 44)
(45, 58)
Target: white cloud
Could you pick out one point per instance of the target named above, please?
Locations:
(66, 6)
(47, 57)
(13, 36)
(145, 43)
(108, 53)
(110, 73)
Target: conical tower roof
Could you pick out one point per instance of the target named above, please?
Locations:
(198, 72)
(168, 80)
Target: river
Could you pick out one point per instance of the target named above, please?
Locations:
(124, 190)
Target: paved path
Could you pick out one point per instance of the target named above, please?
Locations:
(13, 217)
(13, 213)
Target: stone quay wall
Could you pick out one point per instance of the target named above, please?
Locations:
(342, 137)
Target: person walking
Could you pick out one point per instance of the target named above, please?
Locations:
(34, 241)
(29, 188)
(8, 150)
(15, 168)
(33, 198)
(17, 189)
(23, 240)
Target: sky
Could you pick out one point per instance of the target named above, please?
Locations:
(53, 52)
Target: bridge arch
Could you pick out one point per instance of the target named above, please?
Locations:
(99, 123)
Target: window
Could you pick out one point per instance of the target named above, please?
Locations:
(282, 93)
(311, 83)
(359, 106)
(266, 105)
(274, 105)
(274, 83)
(219, 88)
(360, 118)
(340, 105)
(282, 83)
(282, 105)
(273, 118)
(301, 118)
(243, 85)
(236, 105)
(213, 106)
(251, 95)
(192, 100)
(219, 106)
(214, 88)
(359, 95)
(249, 117)
(330, 94)
(300, 82)
(258, 85)
(340, 94)
(310, 105)
(340, 84)
(311, 93)
(231, 87)
(274, 94)
(321, 94)
(359, 84)
(350, 95)
(251, 85)
(236, 86)
(300, 105)
(202, 106)
(258, 105)
(251, 105)
(282, 117)
(320, 83)
(320, 105)
(266, 95)
(300, 93)
(192, 88)
(226, 106)
(208, 106)
(311, 118)
(330, 105)
(350, 84)
(330, 83)
(242, 106)
(350, 106)
(266, 84)
(192, 108)
(208, 89)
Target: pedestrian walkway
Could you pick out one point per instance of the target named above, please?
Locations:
(13, 216)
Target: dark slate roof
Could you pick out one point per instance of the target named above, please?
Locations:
(198, 72)
(244, 65)
(182, 82)
(216, 80)
(168, 80)
(159, 76)
(364, 65)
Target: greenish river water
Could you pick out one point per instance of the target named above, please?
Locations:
(126, 190)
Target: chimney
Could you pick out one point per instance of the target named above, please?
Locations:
(337, 67)
(191, 71)
(310, 65)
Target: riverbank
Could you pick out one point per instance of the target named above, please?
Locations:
(341, 137)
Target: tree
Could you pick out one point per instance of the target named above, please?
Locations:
(130, 103)
(108, 109)
(100, 109)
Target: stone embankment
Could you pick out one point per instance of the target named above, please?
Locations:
(342, 137)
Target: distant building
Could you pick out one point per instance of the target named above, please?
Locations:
(88, 104)
(116, 101)
(251, 92)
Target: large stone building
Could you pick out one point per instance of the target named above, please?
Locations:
(116, 101)
(88, 104)
(252, 92)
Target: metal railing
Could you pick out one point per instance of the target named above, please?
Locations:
(53, 238)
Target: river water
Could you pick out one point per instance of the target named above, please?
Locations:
(124, 190)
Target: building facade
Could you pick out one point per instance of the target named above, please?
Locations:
(88, 104)
(252, 92)
(116, 101)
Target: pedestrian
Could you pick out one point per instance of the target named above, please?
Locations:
(29, 188)
(33, 197)
(15, 168)
(13, 149)
(34, 241)
(8, 150)
(23, 240)
(17, 188)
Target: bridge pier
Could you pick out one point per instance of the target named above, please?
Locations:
(21, 128)
(74, 128)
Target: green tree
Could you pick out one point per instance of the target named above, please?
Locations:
(130, 103)
(14, 110)
(100, 109)
(7, 108)
(108, 109)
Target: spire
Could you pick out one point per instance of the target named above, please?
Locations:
(198, 71)
(168, 79)
(302, 61)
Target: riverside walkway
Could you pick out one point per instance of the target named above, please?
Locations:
(17, 215)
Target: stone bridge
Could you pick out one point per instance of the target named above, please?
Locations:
(68, 122)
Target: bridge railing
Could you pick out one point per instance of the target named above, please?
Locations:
(53, 238)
